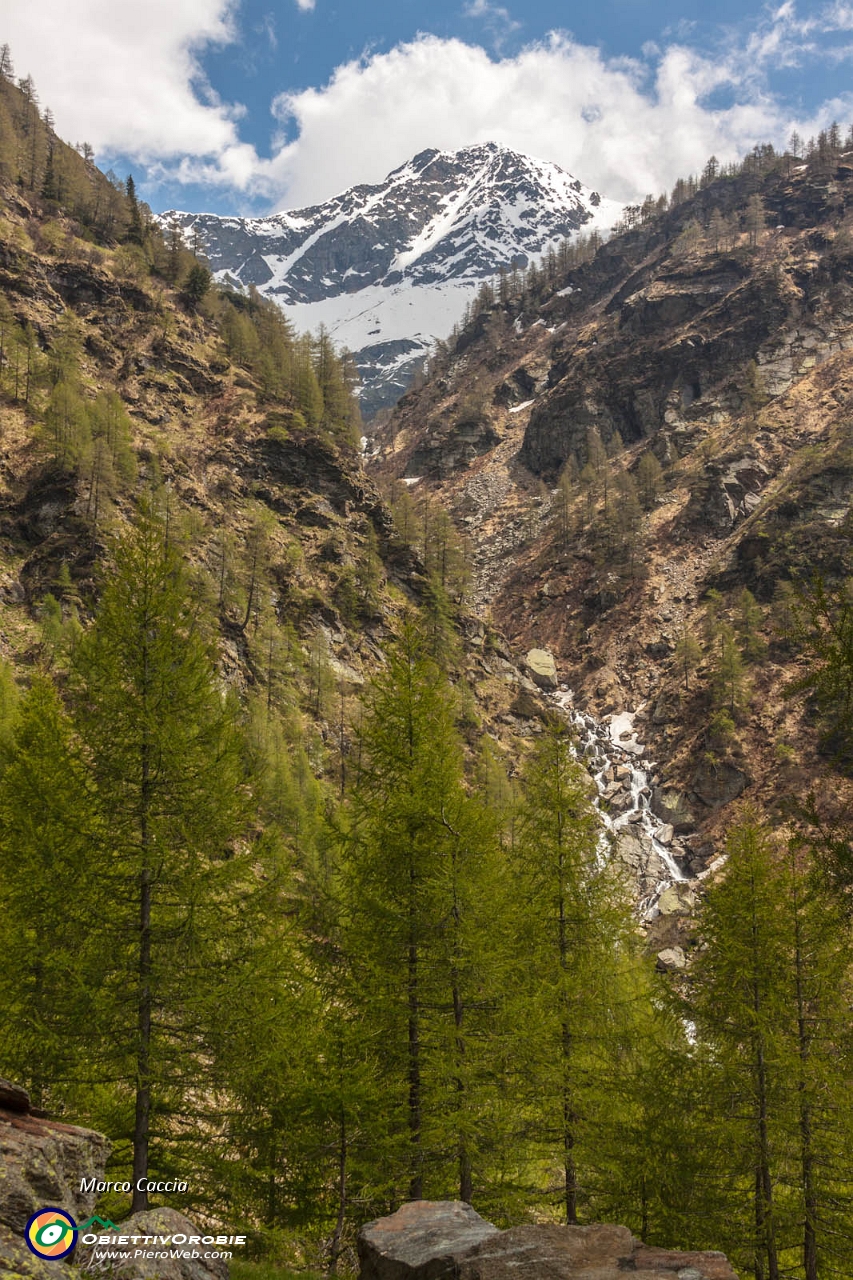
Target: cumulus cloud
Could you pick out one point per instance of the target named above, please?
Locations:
(626, 127)
(127, 77)
(305, 5)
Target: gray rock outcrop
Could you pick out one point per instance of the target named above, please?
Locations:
(422, 1234)
(671, 807)
(41, 1164)
(719, 783)
(448, 1240)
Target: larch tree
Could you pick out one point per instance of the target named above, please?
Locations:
(165, 766)
(573, 985)
(420, 871)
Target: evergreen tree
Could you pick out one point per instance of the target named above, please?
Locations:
(135, 232)
(768, 999)
(573, 984)
(648, 479)
(196, 285)
(164, 760)
(749, 618)
(730, 682)
(735, 1005)
(47, 830)
(419, 880)
(756, 219)
(688, 653)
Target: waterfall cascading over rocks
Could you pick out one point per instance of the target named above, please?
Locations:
(633, 834)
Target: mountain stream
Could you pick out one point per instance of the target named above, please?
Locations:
(616, 761)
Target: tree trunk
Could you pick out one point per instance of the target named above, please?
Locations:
(143, 1056)
(466, 1177)
(807, 1160)
(569, 1166)
(142, 1121)
(338, 1235)
(764, 1185)
(416, 1185)
(570, 1173)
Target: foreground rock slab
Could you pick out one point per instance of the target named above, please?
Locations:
(448, 1240)
(421, 1239)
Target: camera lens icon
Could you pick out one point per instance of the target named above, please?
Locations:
(51, 1233)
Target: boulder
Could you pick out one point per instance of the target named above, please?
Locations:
(41, 1164)
(634, 849)
(677, 900)
(449, 1241)
(17, 1263)
(14, 1098)
(543, 669)
(422, 1234)
(161, 1222)
(670, 960)
(718, 783)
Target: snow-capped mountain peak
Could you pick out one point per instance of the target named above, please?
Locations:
(388, 268)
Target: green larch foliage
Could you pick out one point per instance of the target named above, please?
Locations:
(768, 997)
(420, 871)
(574, 987)
(164, 764)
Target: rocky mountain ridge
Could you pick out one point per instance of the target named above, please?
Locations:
(388, 268)
(730, 364)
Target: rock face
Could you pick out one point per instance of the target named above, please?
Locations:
(41, 1164)
(672, 808)
(448, 1240)
(164, 1222)
(719, 783)
(390, 267)
(635, 851)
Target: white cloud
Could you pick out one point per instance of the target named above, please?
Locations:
(125, 76)
(497, 20)
(305, 5)
(623, 126)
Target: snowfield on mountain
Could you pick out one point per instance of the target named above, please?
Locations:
(390, 268)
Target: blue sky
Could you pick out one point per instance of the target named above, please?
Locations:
(247, 106)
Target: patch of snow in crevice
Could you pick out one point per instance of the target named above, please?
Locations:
(517, 408)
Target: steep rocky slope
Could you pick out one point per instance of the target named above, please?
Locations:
(279, 522)
(389, 268)
(726, 358)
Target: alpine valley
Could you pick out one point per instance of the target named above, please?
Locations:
(453, 807)
(389, 269)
